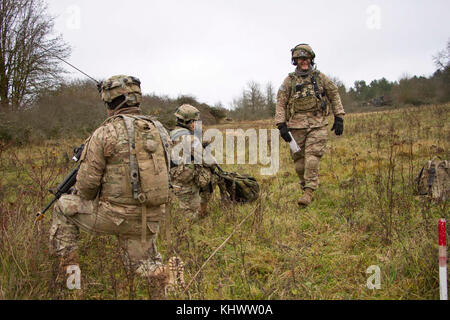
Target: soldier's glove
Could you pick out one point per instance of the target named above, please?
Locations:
(284, 132)
(206, 143)
(338, 126)
(73, 191)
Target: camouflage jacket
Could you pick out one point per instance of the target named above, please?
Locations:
(189, 166)
(298, 106)
(187, 147)
(104, 169)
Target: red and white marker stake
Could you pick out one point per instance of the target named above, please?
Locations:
(442, 260)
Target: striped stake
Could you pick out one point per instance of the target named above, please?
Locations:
(442, 260)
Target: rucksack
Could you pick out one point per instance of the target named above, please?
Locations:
(237, 187)
(149, 159)
(434, 180)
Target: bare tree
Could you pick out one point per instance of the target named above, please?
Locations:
(254, 97)
(254, 104)
(442, 58)
(29, 55)
(270, 99)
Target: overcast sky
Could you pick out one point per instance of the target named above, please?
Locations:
(211, 48)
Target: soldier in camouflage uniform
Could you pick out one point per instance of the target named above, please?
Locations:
(102, 200)
(193, 183)
(303, 103)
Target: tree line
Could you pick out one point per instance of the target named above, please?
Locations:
(37, 102)
(74, 109)
(257, 102)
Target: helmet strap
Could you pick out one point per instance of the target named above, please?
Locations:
(120, 105)
(302, 73)
(184, 124)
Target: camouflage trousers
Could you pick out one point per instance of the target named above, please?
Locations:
(313, 146)
(192, 185)
(72, 213)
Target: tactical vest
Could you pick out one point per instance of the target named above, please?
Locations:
(304, 97)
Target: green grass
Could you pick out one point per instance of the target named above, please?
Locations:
(364, 214)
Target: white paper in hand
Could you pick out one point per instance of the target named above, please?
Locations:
(293, 145)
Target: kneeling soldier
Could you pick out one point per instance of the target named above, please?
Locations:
(122, 187)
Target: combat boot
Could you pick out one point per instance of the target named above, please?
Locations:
(307, 197)
(176, 274)
(158, 281)
(166, 279)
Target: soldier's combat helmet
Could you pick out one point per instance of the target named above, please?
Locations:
(121, 85)
(187, 113)
(302, 50)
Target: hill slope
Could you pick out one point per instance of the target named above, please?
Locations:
(364, 214)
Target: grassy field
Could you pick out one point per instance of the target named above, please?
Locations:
(364, 213)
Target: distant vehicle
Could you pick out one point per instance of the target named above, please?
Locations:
(380, 101)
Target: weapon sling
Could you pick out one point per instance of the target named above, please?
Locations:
(317, 93)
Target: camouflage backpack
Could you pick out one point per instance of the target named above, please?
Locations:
(434, 180)
(148, 165)
(238, 187)
(149, 154)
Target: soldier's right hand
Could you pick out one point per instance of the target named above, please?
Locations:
(284, 132)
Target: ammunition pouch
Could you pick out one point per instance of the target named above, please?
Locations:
(307, 95)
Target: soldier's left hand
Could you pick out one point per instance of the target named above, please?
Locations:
(99, 87)
(338, 126)
(73, 191)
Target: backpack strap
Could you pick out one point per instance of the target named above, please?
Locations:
(134, 174)
(165, 140)
(179, 133)
(134, 169)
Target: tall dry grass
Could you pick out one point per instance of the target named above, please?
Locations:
(365, 213)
